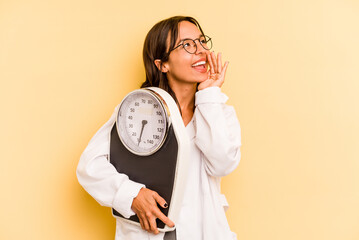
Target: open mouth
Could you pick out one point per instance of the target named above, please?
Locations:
(200, 66)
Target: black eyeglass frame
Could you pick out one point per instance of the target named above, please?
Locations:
(194, 40)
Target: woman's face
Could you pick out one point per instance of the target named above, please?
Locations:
(181, 66)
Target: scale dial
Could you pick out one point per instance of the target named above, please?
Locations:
(142, 122)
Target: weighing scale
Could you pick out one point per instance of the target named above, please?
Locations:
(149, 143)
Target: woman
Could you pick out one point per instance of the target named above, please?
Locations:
(176, 57)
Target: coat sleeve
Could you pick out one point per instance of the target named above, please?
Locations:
(101, 179)
(218, 133)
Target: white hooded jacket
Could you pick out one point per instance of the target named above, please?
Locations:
(215, 152)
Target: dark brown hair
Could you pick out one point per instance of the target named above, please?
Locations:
(155, 47)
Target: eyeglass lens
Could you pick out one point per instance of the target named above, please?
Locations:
(190, 45)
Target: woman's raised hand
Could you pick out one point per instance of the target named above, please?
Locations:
(216, 73)
(145, 206)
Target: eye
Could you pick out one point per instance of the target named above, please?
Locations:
(189, 43)
(203, 39)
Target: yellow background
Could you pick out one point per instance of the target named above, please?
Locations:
(293, 79)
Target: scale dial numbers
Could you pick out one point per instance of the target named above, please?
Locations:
(142, 122)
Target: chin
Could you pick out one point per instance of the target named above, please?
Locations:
(202, 78)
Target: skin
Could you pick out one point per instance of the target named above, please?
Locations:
(183, 80)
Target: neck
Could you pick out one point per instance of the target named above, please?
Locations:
(185, 95)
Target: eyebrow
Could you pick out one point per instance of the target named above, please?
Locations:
(181, 40)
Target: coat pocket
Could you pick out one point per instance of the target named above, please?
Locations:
(224, 202)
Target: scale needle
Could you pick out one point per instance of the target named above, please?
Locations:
(144, 122)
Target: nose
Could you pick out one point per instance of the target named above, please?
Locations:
(200, 48)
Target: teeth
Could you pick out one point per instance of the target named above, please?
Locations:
(199, 63)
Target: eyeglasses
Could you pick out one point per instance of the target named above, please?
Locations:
(190, 44)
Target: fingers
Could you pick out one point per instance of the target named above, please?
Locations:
(153, 224)
(219, 64)
(148, 220)
(159, 214)
(223, 74)
(160, 200)
(141, 223)
(145, 206)
(225, 69)
(164, 219)
(144, 223)
(214, 62)
(149, 224)
(209, 59)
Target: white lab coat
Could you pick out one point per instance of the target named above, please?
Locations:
(215, 152)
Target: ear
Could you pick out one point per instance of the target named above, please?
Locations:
(161, 66)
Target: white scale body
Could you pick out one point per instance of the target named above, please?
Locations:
(149, 143)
